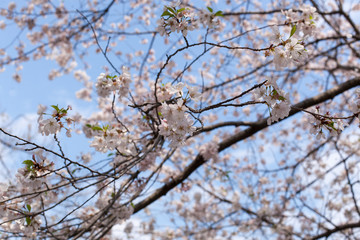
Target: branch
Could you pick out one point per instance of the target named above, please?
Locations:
(337, 229)
(199, 160)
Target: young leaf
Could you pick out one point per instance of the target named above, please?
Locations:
(173, 10)
(28, 207)
(219, 14)
(281, 98)
(96, 128)
(210, 9)
(55, 107)
(28, 163)
(166, 13)
(331, 125)
(293, 30)
(28, 221)
(180, 10)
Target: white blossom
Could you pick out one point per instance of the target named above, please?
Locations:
(49, 126)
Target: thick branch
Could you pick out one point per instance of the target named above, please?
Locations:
(199, 160)
(337, 229)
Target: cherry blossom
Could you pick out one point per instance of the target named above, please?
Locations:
(294, 49)
(228, 120)
(49, 126)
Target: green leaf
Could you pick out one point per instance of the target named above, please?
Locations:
(331, 125)
(166, 13)
(219, 14)
(28, 207)
(28, 221)
(281, 98)
(110, 154)
(96, 128)
(173, 10)
(56, 107)
(210, 9)
(28, 163)
(180, 10)
(293, 30)
(132, 204)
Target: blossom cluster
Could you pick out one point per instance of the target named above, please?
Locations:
(176, 123)
(107, 84)
(165, 92)
(105, 198)
(54, 124)
(124, 212)
(305, 21)
(210, 151)
(184, 20)
(121, 211)
(148, 161)
(293, 51)
(355, 105)
(21, 216)
(110, 138)
(333, 124)
(320, 122)
(276, 99)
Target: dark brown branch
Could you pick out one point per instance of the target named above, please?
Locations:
(199, 160)
(337, 229)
